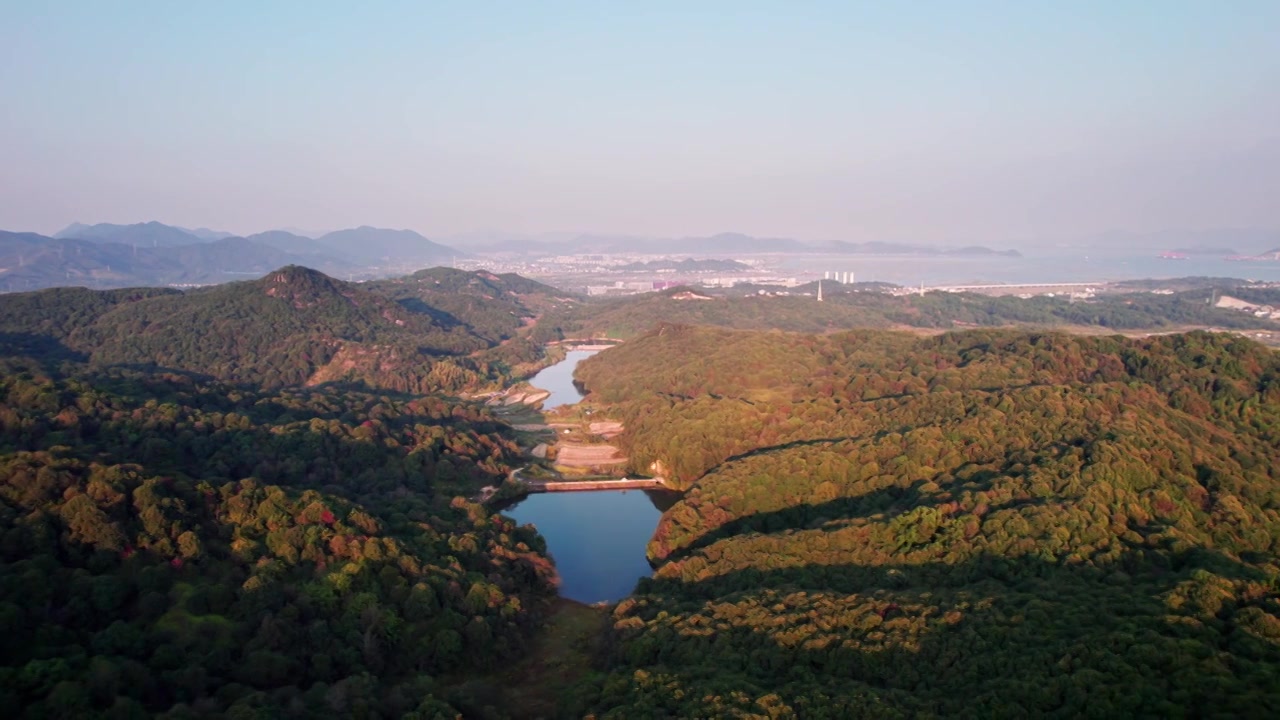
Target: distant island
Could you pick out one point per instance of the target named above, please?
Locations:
(888, 248)
(687, 265)
(1204, 250)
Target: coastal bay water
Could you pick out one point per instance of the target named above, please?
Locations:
(596, 538)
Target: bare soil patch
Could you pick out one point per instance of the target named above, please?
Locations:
(605, 429)
(584, 456)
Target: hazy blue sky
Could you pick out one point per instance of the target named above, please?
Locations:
(941, 121)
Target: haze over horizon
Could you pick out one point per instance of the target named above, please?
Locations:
(982, 122)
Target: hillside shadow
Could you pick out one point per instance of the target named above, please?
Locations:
(183, 424)
(140, 381)
(794, 444)
(992, 636)
(45, 349)
(130, 377)
(446, 320)
(835, 514)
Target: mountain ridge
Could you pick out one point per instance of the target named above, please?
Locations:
(29, 261)
(297, 326)
(372, 245)
(150, 233)
(364, 244)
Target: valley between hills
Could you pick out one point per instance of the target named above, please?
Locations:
(253, 500)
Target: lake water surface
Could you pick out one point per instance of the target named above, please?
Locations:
(558, 380)
(597, 539)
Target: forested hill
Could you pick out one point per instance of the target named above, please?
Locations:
(982, 524)
(175, 548)
(494, 307)
(295, 326)
(195, 522)
(867, 306)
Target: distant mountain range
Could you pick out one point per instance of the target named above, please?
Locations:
(29, 261)
(149, 234)
(727, 243)
(207, 234)
(369, 245)
(152, 253)
(361, 246)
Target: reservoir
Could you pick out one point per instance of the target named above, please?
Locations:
(558, 380)
(597, 538)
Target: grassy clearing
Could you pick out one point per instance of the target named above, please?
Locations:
(561, 655)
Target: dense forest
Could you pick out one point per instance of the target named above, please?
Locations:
(984, 524)
(248, 501)
(200, 518)
(436, 330)
(178, 548)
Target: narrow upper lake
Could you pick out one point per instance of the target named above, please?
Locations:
(597, 539)
(558, 380)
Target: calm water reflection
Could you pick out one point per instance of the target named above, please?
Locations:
(558, 380)
(597, 539)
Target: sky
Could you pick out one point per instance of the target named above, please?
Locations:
(947, 122)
